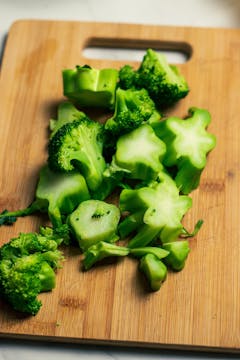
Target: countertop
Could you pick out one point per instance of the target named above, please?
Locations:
(204, 13)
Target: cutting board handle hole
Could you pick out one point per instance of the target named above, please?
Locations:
(134, 50)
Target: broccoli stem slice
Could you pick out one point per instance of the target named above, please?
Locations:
(101, 251)
(178, 253)
(157, 251)
(154, 270)
(146, 234)
(94, 221)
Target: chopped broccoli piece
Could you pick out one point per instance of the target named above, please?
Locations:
(56, 193)
(27, 265)
(157, 251)
(127, 77)
(66, 113)
(164, 82)
(178, 253)
(188, 144)
(78, 145)
(154, 270)
(90, 87)
(162, 207)
(6, 219)
(140, 152)
(94, 221)
(100, 251)
(132, 108)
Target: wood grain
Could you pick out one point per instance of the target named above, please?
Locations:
(197, 308)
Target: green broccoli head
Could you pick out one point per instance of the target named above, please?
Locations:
(127, 77)
(27, 267)
(78, 145)
(164, 82)
(132, 108)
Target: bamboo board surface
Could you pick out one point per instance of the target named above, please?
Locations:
(197, 308)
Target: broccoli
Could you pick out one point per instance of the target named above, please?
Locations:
(178, 253)
(78, 145)
(58, 194)
(140, 152)
(163, 81)
(160, 209)
(100, 251)
(132, 108)
(90, 87)
(94, 221)
(188, 144)
(128, 77)
(66, 113)
(159, 252)
(154, 270)
(27, 268)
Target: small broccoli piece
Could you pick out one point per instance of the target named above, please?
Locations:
(178, 253)
(164, 82)
(90, 87)
(94, 221)
(140, 152)
(188, 144)
(127, 77)
(27, 268)
(154, 270)
(159, 252)
(100, 251)
(162, 211)
(132, 108)
(66, 113)
(78, 145)
(6, 219)
(57, 194)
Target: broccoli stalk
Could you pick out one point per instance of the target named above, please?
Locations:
(162, 208)
(27, 268)
(78, 145)
(159, 252)
(100, 251)
(57, 194)
(188, 144)
(94, 221)
(154, 270)
(178, 253)
(140, 153)
(90, 87)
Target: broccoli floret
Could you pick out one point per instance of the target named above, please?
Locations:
(94, 221)
(140, 153)
(78, 145)
(188, 144)
(90, 87)
(158, 210)
(27, 268)
(132, 108)
(163, 81)
(66, 113)
(58, 194)
(127, 77)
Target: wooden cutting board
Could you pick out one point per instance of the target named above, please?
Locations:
(197, 308)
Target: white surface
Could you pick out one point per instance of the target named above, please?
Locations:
(210, 13)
